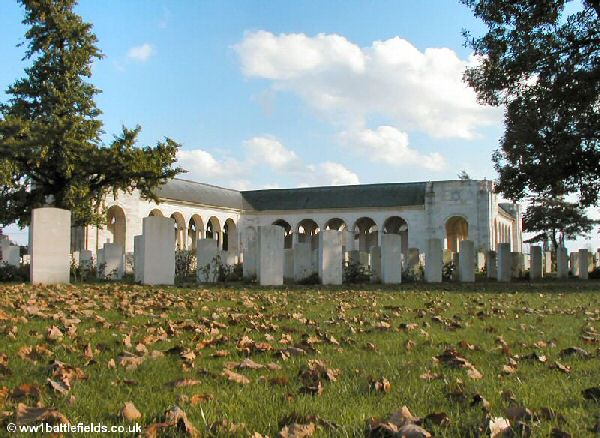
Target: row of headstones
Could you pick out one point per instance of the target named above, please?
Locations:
(9, 254)
(265, 257)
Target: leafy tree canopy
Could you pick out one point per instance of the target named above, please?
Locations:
(50, 147)
(554, 220)
(543, 63)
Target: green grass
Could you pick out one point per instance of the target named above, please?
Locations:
(523, 314)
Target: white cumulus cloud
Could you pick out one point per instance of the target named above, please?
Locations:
(141, 53)
(389, 145)
(265, 155)
(413, 89)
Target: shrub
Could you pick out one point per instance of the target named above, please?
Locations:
(185, 263)
(448, 271)
(354, 273)
(10, 273)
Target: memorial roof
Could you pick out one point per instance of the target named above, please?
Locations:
(352, 196)
(200, 193)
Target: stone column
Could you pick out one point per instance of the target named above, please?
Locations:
(547, 262)
(270, 255)
(113, 261)
(574, 263)
(206, 263)
(456, 263)
(50, 245)
(375, 264)
(159, 251)
(302, 261)
(535, 269)
(561, 263)
(433, 261)
(490, 265)
(583, 264)
(504, 262)
(288, 264)
(391, 261)
(250, 259)
(330, 257)
(467, 261)
(597, 262)
(138, 258)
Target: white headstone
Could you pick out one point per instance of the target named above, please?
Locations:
(250, 259)
(11, 255)
(574, 263)
(504, 262)
(480, 261)
(288, 264)
(375, 254)
(562, 264)
(270, 255)
(330, 257)
(516, 264)
(159, 251)
(138, 254)
(547, 262)
(391, 258)
(302, 261)
(49, 245)
(413, 260)
(75, 258)
(535, 269)
(433, 261)
(113, 261)
(583, 264)
(491, 267)
(206, 260)
(466, 261)
(100, 263)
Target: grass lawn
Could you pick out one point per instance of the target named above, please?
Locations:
(332, 358)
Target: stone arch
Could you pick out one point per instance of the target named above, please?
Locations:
(288, 235)
(179, 228)
(156, 212)
(195, 231)
(308, 231)
(230, 236)
(398, 225)
(117, 225)
(213, 230)
(366, 234)
(457, 229)
(336, 224)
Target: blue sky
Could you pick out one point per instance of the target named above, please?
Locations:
(283, 94)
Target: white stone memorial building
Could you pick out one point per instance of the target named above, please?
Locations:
(449, 210)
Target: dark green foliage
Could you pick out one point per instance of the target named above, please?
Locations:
(554, 220)
(50, 147)
(448, 271)
(14, 274)
(544, 66)
(354, 273)
(185, 264)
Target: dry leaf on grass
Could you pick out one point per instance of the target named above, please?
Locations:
(498, 426)
(382, 385)
(235, 377)
(27, 415)
(296, 430)
(130, 412)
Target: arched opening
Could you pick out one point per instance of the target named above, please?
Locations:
(335, 224)
(156, 212)
(288, 235)
(195, 231)
(179, 230)
(365, 234)
(457, 229)
(213, 230)
(230, 237)
(308, 231)
(117, 225)
(397, 225)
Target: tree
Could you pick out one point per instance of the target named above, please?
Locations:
(50, 147)
(554, 220)
(543, 64)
